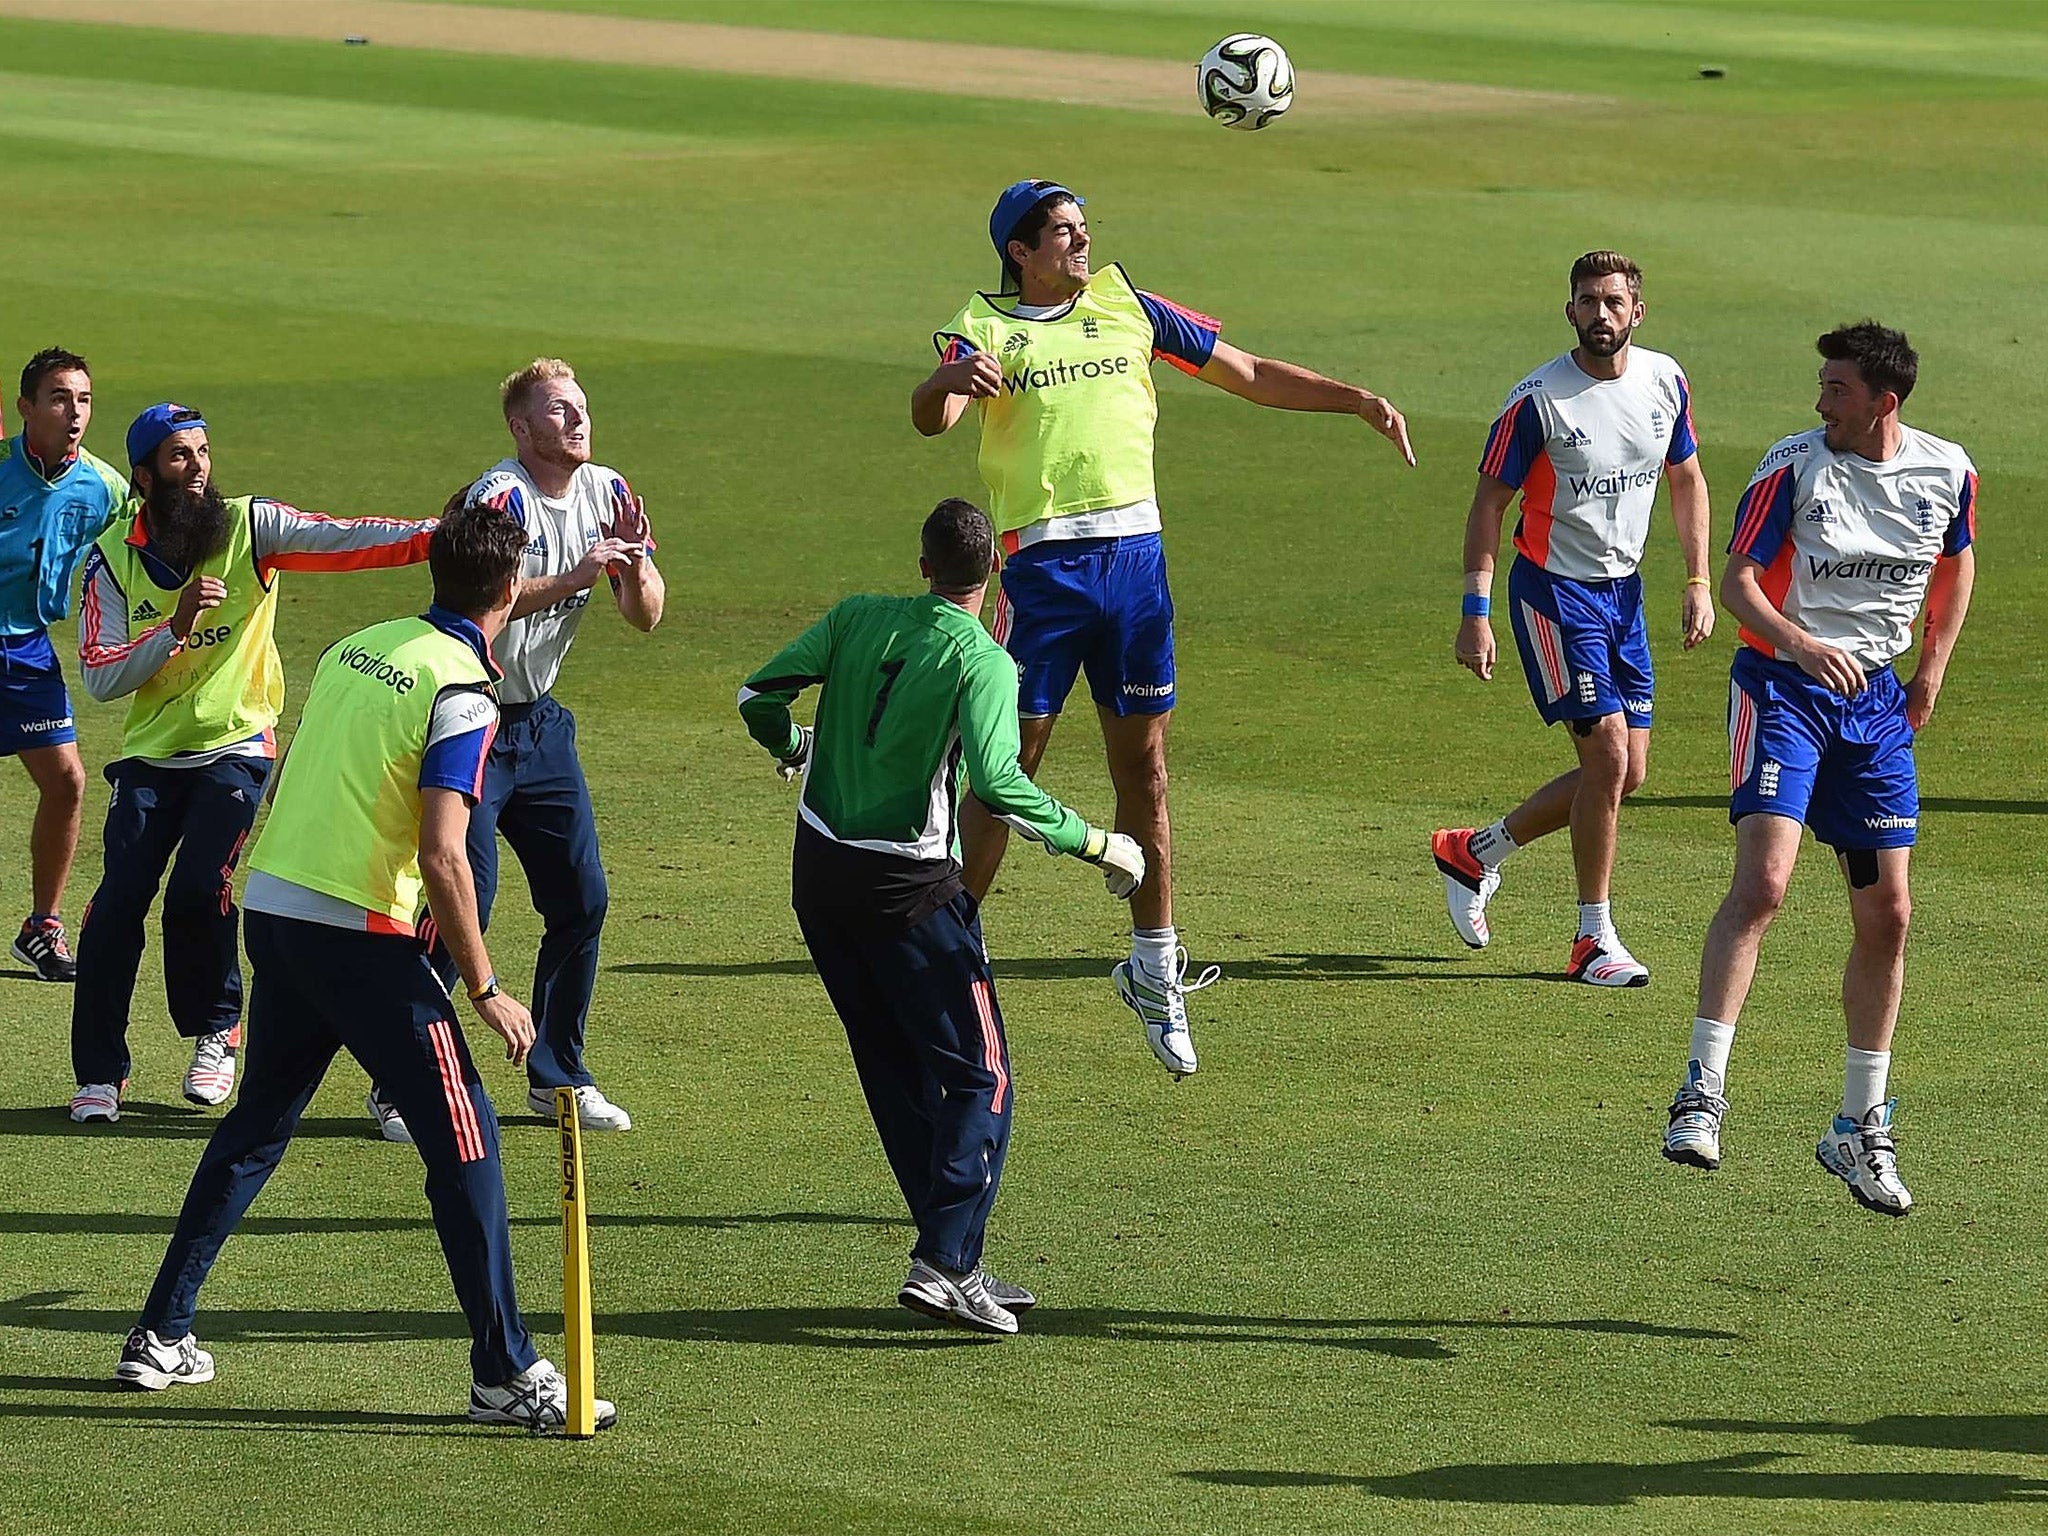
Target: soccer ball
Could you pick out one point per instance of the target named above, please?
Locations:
(1245, 81)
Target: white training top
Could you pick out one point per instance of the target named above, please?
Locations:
(561, 531)
(1847, 543)
(1586, 455)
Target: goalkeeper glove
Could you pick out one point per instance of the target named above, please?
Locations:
(1120, 859)
(791, 767)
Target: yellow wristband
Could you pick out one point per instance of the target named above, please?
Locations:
(1697, 581)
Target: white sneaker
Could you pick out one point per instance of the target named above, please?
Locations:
(1694, 1135)
(97, 1101)
(1605, 962)
(1162, 1003)
(536, 1399)
(1863, 1156)
(151, 1364)
(211, 1077)
(1468, 884)
(594, 1112)
(963, 1300)
(390, 1123)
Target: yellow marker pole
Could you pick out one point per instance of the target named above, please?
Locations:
(577, 1365)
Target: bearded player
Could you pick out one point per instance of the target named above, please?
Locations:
(1584, 439)
(1057, 367)
(1843, 534)
(179, 609)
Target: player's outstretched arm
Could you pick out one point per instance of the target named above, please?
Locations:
(1693, 517)
(1742, 594)
(942, 399)
(1948, 604)
(287, 539)
(1474, 647)
(451, 897)
(1290, 387)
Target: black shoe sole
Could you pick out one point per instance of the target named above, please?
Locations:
(1690, 1160)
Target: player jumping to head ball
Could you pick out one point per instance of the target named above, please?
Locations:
(1058, 368)
(1843, 534)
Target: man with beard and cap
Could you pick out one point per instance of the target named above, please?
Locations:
(1585, 439)
(178, 610)
(584, 526)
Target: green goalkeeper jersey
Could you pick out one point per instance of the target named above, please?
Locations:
(914, 689)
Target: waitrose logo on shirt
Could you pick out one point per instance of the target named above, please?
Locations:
(1063, 372)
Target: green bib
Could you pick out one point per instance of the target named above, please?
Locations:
(225, 683)
(346, 821)
(1072, 429)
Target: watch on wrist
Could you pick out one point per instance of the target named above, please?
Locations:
(485, 992)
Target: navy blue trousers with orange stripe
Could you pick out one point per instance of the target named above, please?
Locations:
(921, 1017)
(316, 990)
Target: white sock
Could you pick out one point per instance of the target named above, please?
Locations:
(1492, 845)
(1711, 1042)
(1594, 921)
(1155, 949)
(1863, 1081)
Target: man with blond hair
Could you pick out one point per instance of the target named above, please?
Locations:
(583, 524)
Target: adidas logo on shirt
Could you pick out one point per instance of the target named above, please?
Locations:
(538, 546)
(1577, 438)
(144, 612)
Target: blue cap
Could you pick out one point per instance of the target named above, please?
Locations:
(149, 429)
(1019, 200)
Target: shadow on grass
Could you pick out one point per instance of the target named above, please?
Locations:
(2024, 1434)
(1280, 967)
(1593, 1484)
(159, 1224)
(129, 1406)
(1938, 804)
(145, 1121)
(875, 1327)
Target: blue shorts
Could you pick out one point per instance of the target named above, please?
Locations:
(35, 706)
(1585, 648)
(1098, 603)
(1842, 766)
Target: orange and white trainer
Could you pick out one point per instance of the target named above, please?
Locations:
(1468, 884)
(1601, 960)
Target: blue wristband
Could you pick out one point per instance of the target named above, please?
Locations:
(1477, 605)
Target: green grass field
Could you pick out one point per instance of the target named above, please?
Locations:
(1403, 1256)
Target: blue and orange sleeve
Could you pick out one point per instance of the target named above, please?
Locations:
(1764, 517)
(1684, 441)
(1962, 528)
(1515, 443)
(457, 762)
(952, 346)
(1183, 337)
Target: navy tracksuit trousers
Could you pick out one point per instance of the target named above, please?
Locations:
(920, 1012)
(203, 815)
(318, 990)
(535, 793)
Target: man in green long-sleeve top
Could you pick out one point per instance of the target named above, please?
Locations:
(913, 691)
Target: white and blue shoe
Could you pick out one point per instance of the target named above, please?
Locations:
(1161, 1002)
(1862, 1154)
(1693, 1136)
(151, 1364)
